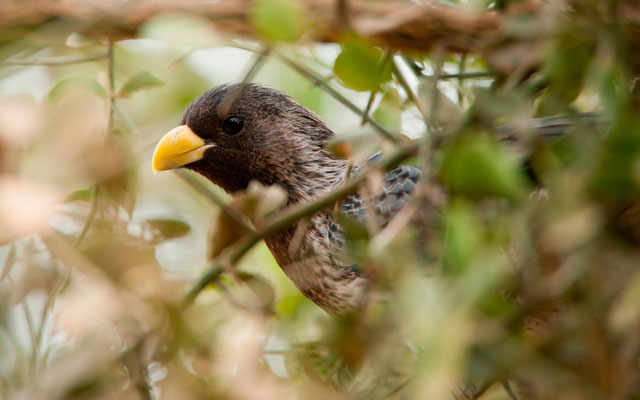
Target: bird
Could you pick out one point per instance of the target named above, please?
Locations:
(234, 134)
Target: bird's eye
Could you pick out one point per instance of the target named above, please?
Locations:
(232, 125)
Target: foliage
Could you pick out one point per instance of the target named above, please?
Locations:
(512, 273)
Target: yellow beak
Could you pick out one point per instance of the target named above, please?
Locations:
(180, 146)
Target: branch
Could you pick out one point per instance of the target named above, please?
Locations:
(316, 79)
(55, 62)
(291, 215)
(402, 25)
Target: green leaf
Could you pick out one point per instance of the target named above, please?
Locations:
(389, 111)
(277, 19)
(360, 66)
(476, 165)
(356, 236)
(80, 195)
(66, 85)
(169, 228)
(462, 237)
(140, 81)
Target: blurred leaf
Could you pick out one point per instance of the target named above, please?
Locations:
(140, 81)
(437, 106)
(478, 166)
(463, 235)
(277, 19)
(360, 66)
(259, 287)
(625, 312)
(616, 177)
(120, 255)
(565, 70)
(356, 236)
(170, 228)
(80, 195)
(389, 111)
(67, 85)
(9, 260)
(259, 200)
(226, 231)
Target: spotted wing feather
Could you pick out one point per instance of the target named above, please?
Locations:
(396, 191)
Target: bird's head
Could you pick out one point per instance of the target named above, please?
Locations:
(234, 134)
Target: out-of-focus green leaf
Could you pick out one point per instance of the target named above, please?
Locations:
(140, 81)
(462, 236)
(389, 111)
(361, 66)
(625, 312)
(566, 70)
(356, 236)
(437, 107)
(80, 195)
(478, 166)
(277, 19)
(170, 228)
(67, 85)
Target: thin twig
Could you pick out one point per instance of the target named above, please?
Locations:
(291, 215)
(256, 65)
(372, 95)
(462, 66)
(54, 62)
(96, 187)
(434, 94)
(112, 83)
(318, 80)
(8, 262)
(196, 185)
(32, 333)
(462, 75)
(367, 110)
(509, 390)
(394, 390)
(410, 93)
(95, 193)
(125, 118)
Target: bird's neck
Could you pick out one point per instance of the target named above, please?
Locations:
(313, 176)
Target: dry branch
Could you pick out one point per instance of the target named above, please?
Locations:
(394, 24)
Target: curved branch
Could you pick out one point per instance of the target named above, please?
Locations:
(291, 215)
(392, 24)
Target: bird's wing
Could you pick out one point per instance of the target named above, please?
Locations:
(396, 191)
(398, 186)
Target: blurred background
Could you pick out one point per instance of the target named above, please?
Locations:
(512, 276)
